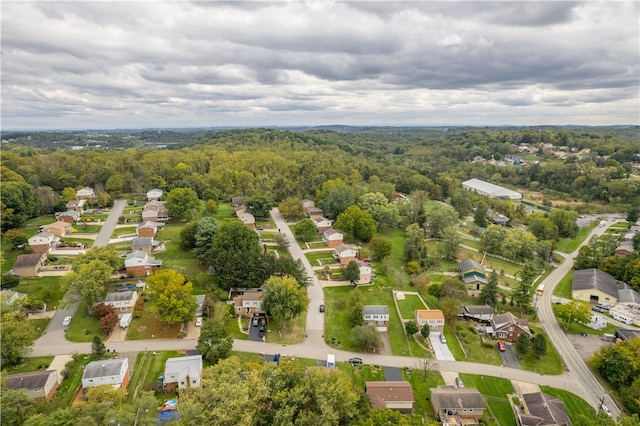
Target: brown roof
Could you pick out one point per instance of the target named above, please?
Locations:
(25, 260)
(429, 314)
(33, 380)
(381, 392)
(444, 397)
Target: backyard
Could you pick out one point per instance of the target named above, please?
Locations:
(496, 393)
(146, 370)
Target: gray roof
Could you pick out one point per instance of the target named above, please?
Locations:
(477, 310)
(103, 368)
(141, 242)
(627, 294)
(119, 296)
(470, 265)
(502, 320)
(625, 334)
(190, 366)
(550, 410)
(444, 397)
(375, 309)
(33, 380)
(28, 260)
(591, 279)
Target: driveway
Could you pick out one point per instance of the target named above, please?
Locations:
(441, 350)
(509, 357)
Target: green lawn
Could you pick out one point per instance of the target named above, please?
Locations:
(83, 327)
(148, 367)
(478, 348)
(31, 227)
(293, 333)
(320, 258)
(123, 231)
(568, 245)
(71, 382)
(225, 211)
(46, 289)
(495, 391)
(421, 389)
(175, 257)
(30, 364)
(409, 305)
(575, 405)
(85, 228)
(150, 326)
(563, 288)
(360, 375)
(453, 344)
(550, 363)
(40, 324)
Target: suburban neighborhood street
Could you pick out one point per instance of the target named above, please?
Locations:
(578, 379)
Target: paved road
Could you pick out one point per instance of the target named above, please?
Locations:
(593, 390)
(315, 319)
(54, 333)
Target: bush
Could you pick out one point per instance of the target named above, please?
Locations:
(411, 327)
(101, 310)
(9, 280)
(413, 267)
(108, 322)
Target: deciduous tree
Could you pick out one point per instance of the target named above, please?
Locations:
(305, 229)
(439, 219)
(87, 282)
(365, 337)
(214, 342)
(415, 246)
(234, 254)
(450, 243)
(171, 296)
(539, 345)
(351, 272)
(380, 247)
(291, 208)
(284, 299)
(356, 222)
(17, 337)
(182, 203)
(574, 310)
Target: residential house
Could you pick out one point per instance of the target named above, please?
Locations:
(313, 212)
(237, 201)
(322, 223)
(248, 219)
(147, 229)
(39, 385)
(376, 315)
(434, 318)
(28, 265)
(85, 193)
(365, 273)
(9, 297)
(139, 263)
(248, 302)
(624, 249)
(42, 242)
(70, 216)
(628, 236)
(541, 409)
(77, 205)
(455, 405)
(345, 253)
(144, 244)
(154, 194)
(114, 372)
(497, 218)
(332, 237)
(473, 275)
(509, 327)
(155, 211)
(594, 286)
(307, 204)
(124, 301)
(182, 373)
(483, 313)
(394, 395)
(58, 228)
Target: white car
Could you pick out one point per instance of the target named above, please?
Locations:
(199, 322)
(66, 321)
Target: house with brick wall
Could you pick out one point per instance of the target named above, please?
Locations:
(139, 263)
(114, 372)
(42, 242)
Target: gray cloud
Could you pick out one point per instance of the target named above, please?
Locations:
(142, 64)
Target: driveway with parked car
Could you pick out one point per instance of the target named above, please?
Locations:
(509, 357)
(440, 349)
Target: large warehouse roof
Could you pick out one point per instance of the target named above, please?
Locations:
(490, 190)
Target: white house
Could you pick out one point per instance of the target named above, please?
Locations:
(376, 315)
(182, 373)
(154, 194)
(322, 223)
(85, 193)
(248, 302)
(9, 297)
(139, 263)
(42, 242)
(345, 253)
(332, 237)
(365, 273)
(113, 372)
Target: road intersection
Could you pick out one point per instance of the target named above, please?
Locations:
(577, 378)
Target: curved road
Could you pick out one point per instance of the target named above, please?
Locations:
(593, 390)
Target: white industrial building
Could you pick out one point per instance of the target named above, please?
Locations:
(490, 190)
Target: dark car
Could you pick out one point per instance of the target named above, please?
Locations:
(321, 308)
(355, 361)
(261, 330)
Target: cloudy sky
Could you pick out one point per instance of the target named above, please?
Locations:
(182, 64)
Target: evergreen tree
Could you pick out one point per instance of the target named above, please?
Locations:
(98, 349)
(489, 293)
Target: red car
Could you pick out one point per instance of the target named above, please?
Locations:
(501, 346)
(366, 260)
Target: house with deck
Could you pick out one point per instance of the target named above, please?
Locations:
(394, 395)
(345, 253)
(455, 406)
(509, 327)
(332, 237)
(29, 265)
(123, 301)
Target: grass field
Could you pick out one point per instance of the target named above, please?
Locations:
(409, 305)
(175, 257)
(563, 288)
(84, 228)
(575, 405)
(550, 363)
(320, 258)
(293, 333)
(123, 231)
(473, 345)
(150, 326)
(495, 391)
(362, 374)
(83, 327)
(421, 389)
(30, 364)
(40, 325)
(568, 245)
(46, 289)
(146, 370)
(71, 383)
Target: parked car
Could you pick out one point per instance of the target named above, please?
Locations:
(255, 321)
(261, 330)
(443, 339)
(321, 308)
(355, 361)
(459, 382)
(366, 260)
(199, 322)
(501, 346)
(66, 321)
(260, 228)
